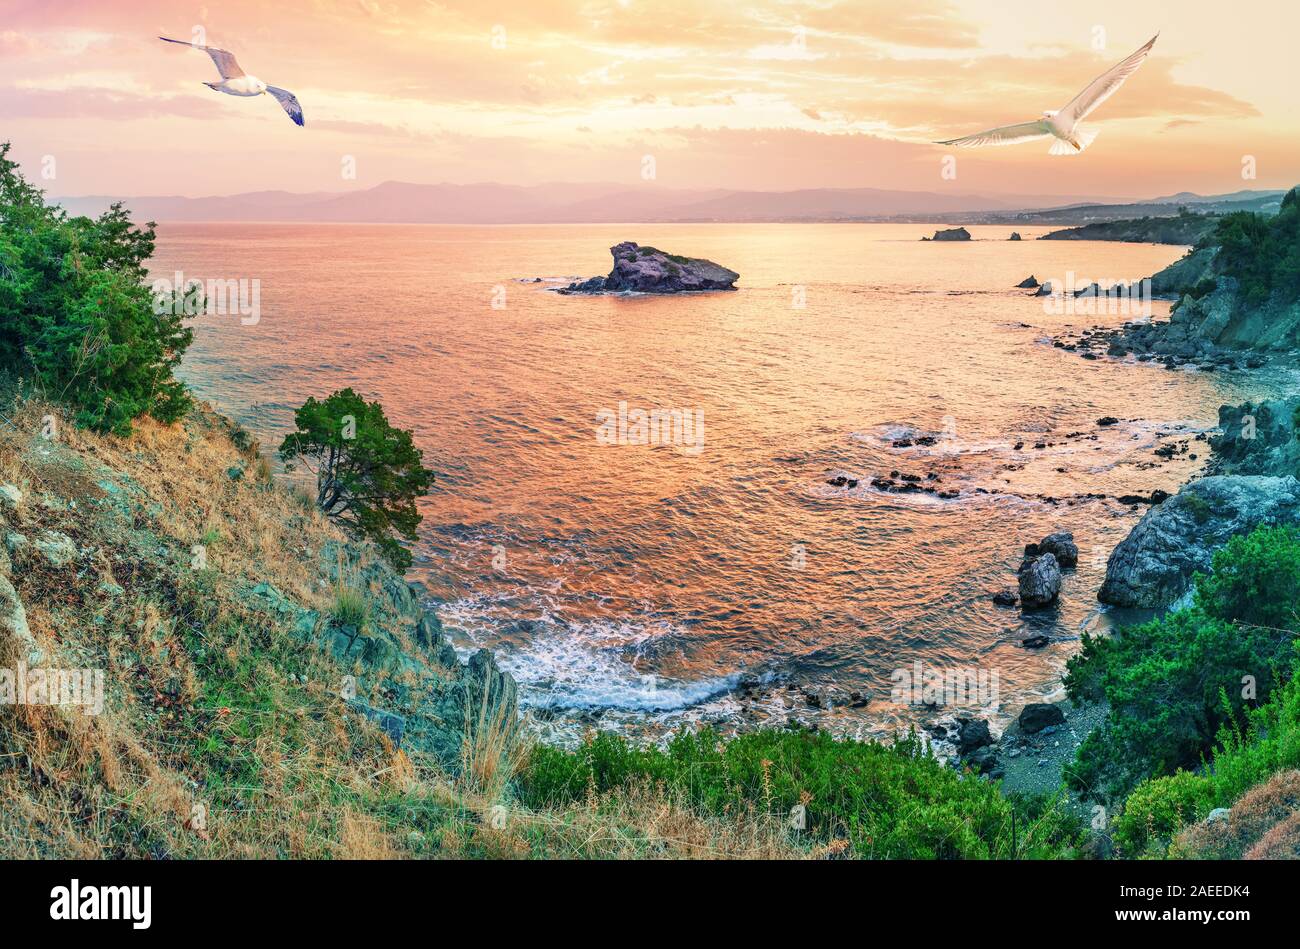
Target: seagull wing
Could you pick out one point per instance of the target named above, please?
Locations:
(1104, 86)
(225, 61)
(1003, 135)
(289, 101)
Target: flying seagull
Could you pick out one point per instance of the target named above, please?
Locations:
(1066, 125)
(235, 82)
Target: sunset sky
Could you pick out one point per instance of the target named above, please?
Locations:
(766, 94)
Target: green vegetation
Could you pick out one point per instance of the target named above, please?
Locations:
(350, 608)
(1156, 810)
(1187, 227)
(368, 473)
(1262, 252)
(880, 801)
(79, 320)
(1175, 682)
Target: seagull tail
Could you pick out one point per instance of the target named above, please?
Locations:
(1081, 138)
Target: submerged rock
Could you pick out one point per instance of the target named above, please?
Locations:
(1153, 566)
(649, 270)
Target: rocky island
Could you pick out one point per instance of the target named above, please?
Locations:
(951, 234)
(640, 269)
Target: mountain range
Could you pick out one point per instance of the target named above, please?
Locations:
(402, 202)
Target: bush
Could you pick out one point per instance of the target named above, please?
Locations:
(886, 800)
(1174, 683)
(350, 608)
(1255, 579)
(1262, 253)
(368, 473)
(1158, 809)
(77, 315)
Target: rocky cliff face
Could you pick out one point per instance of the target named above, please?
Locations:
(1154, 565)
(1254, 464)
(1257, 438)
(649, 270)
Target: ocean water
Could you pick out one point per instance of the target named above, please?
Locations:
(636, 586)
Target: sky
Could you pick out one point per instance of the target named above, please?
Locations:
(761, 94)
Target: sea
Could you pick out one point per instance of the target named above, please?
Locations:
(659, 511)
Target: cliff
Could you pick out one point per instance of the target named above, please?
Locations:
(265, 685)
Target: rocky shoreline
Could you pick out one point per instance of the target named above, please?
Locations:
(1248, 480)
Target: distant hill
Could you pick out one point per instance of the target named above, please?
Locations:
(1184, 228)
(404, 202)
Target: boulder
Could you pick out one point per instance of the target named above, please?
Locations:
(10, 497)
(985, 761)
(480, 696)
(1015, 236)
(1029, 283)
(1153, 566)
(649, 270)
(13, 624)
(972, 733)
(1060, 545)
(1006, 597)
(1039, 715)
(56, 547)
(390, 723)
(1040, 582)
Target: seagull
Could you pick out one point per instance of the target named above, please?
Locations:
(235, 82)
(1065, 125)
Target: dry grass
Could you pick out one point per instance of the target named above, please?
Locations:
(1261, 825)
(223, 736)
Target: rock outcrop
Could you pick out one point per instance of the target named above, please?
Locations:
(1154, 565)
(1060, 545)
(951, 234)
(1040, 582)
(1257, 438)
(649, 270)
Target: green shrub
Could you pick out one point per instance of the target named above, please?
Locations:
(1255, 579)
(885, 800)
(1175, 682)
(1262, 253)
(1157, 809)
(78, 318)
(350, 608)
